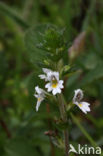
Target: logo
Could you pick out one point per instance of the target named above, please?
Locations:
(84, 149)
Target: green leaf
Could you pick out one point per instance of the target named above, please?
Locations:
(7, 11)
(20, 147)
(32, 38)
(93, 75)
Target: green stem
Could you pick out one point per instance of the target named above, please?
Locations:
(89, 15)
(64, 118)
(83, 131)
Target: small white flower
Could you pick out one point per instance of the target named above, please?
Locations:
(44, 76)
(53, 75)
(40, 95)
(78, 96)
(45, 70)
(55, 85)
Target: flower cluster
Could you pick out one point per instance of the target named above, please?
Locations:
(54, 85)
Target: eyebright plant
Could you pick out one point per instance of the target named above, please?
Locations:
(49, 50)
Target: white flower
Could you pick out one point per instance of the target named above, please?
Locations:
(40, 95)
(53, 75)
(55, 85)
(78, 96)
(44, 76)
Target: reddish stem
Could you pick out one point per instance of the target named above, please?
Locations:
(50, 126)
(3, 124)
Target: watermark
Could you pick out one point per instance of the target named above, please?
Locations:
(85, 149)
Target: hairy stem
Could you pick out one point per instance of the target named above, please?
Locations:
(64, 118)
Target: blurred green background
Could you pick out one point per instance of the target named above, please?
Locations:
(22, 130)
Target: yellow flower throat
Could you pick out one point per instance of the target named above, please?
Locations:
(54, 83)
(39, 99)
(80, 105)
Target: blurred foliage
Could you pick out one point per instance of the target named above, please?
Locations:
(22, 30)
